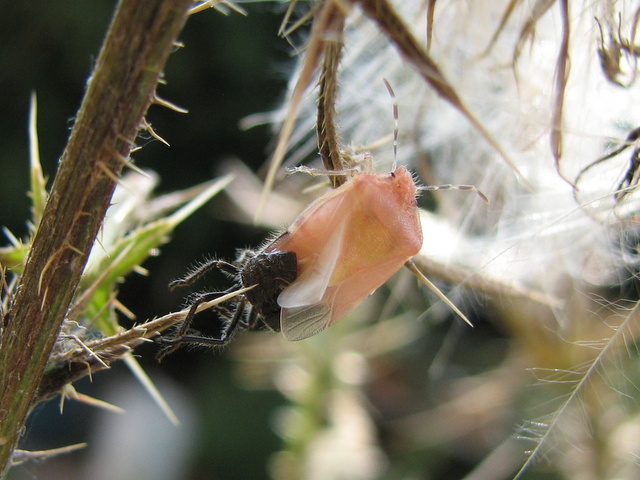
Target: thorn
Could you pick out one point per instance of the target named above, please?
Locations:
(413, 269)
(108, 172)
(21, 456)
(86, 349)
(207, 4)
(167, 104)
(71, 392)
(148, 128)
(127, 162)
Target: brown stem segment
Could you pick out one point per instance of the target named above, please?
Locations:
(122, 86)
(328, 140)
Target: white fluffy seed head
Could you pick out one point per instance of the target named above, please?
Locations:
(535, 232)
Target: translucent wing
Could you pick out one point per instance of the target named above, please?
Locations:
(306, 306)
(298, 323)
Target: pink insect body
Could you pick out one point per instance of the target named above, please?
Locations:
(347, 244)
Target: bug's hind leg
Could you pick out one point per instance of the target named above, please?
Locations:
(183, 336)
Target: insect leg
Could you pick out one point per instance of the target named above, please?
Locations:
(224, 337)
(201, 270)
(631, 176)
(172, 344)
(252, 319)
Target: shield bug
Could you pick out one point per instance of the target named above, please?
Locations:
(347, 244)
(337, 252)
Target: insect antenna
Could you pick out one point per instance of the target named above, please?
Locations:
(396, 128)
(464, 188)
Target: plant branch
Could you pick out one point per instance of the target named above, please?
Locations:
(121, 88)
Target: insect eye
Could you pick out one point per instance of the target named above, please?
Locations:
(393, 174)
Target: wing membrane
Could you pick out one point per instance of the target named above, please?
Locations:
(299, 323)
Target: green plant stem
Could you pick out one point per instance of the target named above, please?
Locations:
(122, 86)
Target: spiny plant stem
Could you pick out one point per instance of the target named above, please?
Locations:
(328, 141)
(121, 88)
